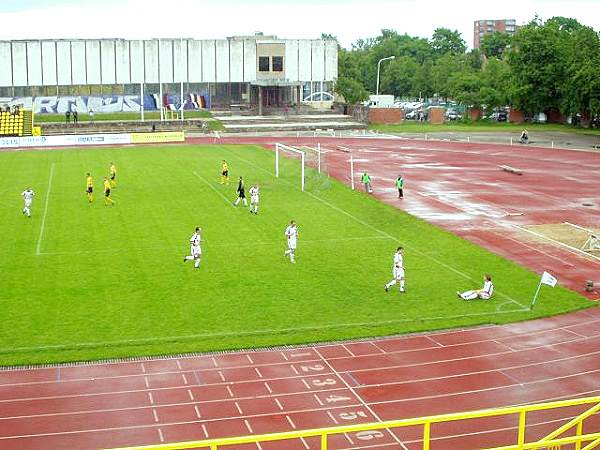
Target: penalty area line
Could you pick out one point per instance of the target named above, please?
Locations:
(377, 230)
(43, 225)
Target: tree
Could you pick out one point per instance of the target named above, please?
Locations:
(495, 84)
(399, 77)
(494, 44)
(537, 61)
(445, 41)
(352, 90)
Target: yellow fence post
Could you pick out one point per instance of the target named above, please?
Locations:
(426, 435)
(521, 439)
(324, 441)
(213, 446)
(579, 433)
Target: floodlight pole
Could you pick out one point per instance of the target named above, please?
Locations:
(142, 101)
(378, 68)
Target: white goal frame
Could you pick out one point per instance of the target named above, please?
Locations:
(280, 147)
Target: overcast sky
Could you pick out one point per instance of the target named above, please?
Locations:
(349, 20)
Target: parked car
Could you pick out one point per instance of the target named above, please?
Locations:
(452, 114)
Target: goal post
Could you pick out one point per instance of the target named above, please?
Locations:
(282, 149)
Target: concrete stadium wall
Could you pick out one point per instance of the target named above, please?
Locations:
(117, 61)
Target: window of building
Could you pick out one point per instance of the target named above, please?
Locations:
(277, 63)
(263, 63)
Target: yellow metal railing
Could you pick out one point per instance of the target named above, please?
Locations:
(550, 442)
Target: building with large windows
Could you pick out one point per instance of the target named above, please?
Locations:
(116, 74)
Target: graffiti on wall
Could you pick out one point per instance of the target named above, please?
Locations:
(105, 103)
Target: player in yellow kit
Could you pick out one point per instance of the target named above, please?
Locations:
(224, 172)
(107, 199)
(89, 187)
(113, 175)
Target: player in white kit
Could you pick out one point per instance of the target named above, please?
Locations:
(291, 233)
(27, 195)
(195, 250)
(254, 199)
(485, 293)
(397, 270)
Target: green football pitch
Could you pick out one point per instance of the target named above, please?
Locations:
(84, 281)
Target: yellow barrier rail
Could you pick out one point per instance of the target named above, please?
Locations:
(550, 442)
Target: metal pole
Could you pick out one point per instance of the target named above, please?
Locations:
(378, 67)
(160, 91)
(302, 155)
(181, 93)
(319, 150)
(142, 100)
(277, 160)
(352, 172)
(535, 296)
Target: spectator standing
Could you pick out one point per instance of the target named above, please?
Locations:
(366, 180)
(400, 186)
(91, 114)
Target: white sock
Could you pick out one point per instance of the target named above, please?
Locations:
(287, 252)
(402, 284)
(197, 263)
(245, 202)
(189, 258)
(390, 284)
(237, 201)
(292, 257)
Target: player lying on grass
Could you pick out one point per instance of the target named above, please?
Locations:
(397, 270)
(195, 250)
(27, 195)
(485, 293)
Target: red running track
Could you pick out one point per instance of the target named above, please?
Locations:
(197, 397)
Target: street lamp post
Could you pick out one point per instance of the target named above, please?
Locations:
(378, 67)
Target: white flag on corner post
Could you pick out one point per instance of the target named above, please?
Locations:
(549, 279)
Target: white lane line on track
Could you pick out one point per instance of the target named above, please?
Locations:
(230, 391)
(290, 421)
(426, 363)
(365, 405)
(160, 435)
(280, 406)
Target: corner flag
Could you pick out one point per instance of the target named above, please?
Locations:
(548, 279)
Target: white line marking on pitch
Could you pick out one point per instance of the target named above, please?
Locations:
(43, 225)
(214, 189)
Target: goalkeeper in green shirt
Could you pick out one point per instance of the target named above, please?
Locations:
(400, 186)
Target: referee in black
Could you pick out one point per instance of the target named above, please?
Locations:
(241, 191)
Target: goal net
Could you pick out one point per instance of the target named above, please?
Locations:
(309, 161)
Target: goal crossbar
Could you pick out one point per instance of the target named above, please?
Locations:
(282, 147)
